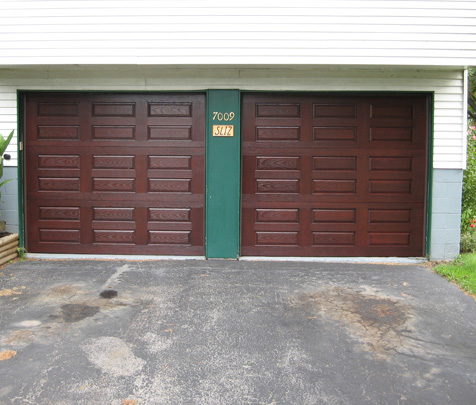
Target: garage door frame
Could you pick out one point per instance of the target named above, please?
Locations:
(21, 171)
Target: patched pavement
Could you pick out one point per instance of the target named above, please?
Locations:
(229, 332)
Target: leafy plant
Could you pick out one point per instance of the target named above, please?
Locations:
(468, 209)
(472, 93)
(468, 240)
(3, 146)
(21, 253)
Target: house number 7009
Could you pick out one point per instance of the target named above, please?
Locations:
(228, 116)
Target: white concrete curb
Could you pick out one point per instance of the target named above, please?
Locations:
(386, 260)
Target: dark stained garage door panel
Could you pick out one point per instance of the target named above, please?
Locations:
(115, 173)
(333, 175)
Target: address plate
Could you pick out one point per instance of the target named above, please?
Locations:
(223, 130)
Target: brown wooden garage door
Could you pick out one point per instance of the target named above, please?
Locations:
(333, 175)
(119, 174)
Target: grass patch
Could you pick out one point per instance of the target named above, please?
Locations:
(461, 272)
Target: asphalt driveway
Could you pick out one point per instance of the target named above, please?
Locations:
(228, 332)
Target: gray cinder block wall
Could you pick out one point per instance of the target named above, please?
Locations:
(9, 200)
(446, 214)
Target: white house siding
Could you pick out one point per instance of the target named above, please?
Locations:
(447, 86)
(343, 32)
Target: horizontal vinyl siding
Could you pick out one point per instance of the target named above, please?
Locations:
(447, 86)
(371, 32)
(8, 119)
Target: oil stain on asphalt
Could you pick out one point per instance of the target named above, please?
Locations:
(380, 323)
(77, 312)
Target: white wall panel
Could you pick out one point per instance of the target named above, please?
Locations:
(421, 32)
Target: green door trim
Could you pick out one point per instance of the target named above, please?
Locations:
(223, 174)
(20, 167)
(429, 198)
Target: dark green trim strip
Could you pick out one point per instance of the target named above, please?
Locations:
(223, 173)
(429, 199)
(20, 170)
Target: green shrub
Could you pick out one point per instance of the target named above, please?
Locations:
(468, 242)
(468, 209)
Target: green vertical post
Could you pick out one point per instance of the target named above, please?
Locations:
(429, 198)
(20, 174)
(223, 158)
